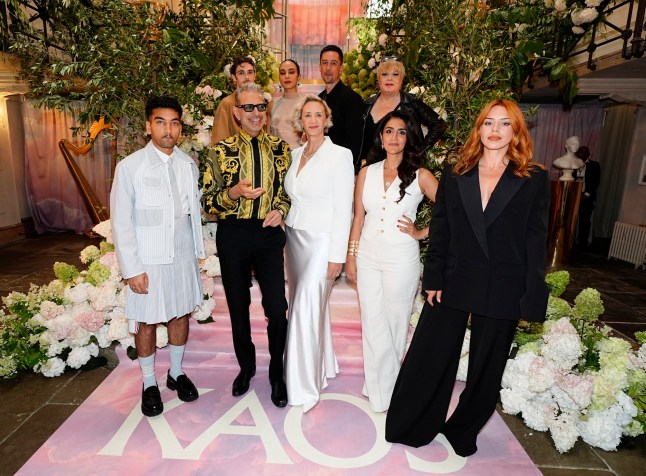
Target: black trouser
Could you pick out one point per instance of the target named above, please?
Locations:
(243, 245)
(586, 207)
(422, 394)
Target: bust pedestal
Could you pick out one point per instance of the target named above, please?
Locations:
(564, 211)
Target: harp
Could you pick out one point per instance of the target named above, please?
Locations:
(95, 208)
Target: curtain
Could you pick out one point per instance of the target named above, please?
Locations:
(552, 125)
(55, 202)
(312, 24)
(614, 155)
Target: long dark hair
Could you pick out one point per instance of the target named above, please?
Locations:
(413, 158)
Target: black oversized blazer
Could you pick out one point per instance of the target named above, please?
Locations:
(490, 263)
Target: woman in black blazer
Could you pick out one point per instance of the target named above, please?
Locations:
(486, 258)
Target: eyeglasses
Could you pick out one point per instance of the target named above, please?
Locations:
(393, 58)
(249, 107)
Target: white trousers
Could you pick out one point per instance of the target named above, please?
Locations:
(387, 281)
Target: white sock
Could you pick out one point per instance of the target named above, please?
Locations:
(176, 356)
(147, 365)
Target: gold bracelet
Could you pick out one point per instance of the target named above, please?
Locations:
(353, 247)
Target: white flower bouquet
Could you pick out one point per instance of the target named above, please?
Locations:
(573, 379)
(64, 323)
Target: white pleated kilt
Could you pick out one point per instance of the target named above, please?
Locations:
(173, 289)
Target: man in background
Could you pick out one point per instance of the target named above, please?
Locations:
(346, 104)
(243, 71)
(591, 175)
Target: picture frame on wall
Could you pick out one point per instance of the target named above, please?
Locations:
(641, 179)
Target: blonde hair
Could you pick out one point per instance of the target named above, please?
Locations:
(391, 65)
(298, 112)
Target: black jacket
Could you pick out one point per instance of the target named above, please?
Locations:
(492, 262)
(346, 107)
(423, 114)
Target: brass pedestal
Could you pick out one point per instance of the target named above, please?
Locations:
(564, 211)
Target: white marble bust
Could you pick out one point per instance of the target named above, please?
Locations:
(569, 162)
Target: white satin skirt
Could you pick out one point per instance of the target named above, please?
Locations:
(309, 354)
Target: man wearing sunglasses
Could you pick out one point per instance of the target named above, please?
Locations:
(345, 103)
(243, 71)
(243, 186)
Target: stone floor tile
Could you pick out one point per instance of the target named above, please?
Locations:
(81, 386)
(23, 442)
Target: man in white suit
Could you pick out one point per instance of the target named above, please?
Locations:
(158, 238)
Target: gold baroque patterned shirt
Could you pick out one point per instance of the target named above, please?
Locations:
(263, 159)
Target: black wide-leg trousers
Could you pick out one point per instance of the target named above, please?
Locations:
(424, 386)
(244, 245)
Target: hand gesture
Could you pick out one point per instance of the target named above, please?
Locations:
(243, 189)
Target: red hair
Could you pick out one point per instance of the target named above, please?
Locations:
(521, 147)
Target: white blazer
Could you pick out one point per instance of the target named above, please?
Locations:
(322, 195)
(142, 213)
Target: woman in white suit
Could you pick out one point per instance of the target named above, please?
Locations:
(383, 252)
(320, 184)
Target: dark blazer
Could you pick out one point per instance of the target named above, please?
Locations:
(346, 105)
(490, 263)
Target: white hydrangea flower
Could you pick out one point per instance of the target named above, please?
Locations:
(371, 63)
(78, 293)
(577, 30)
(564, 431)
(210, 247)
(592, 3)
(382, 40)
(603, 429)
(102, 336)
(583, 16)
(560, 5)
(548, 3)
(162, 336)
(542, 373)
(127, 341)
(118, 328)
(78, 357)
(105, 230)
(79, 337)
(538, 414)
(209, 229)
(204, 310)
(50, 368)
(211, 266)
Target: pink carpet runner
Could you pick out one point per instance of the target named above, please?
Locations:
(223, 435)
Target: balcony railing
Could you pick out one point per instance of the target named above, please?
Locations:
(632, 39)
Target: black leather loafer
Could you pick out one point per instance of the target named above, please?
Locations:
(151, 403)
(279, 393)
(186, 391)
(241, 382)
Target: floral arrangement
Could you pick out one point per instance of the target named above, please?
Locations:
(573, 379)
(64, 323)
(569, 376)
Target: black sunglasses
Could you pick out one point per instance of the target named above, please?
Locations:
(249, 107)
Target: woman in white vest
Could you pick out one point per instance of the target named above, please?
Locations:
(319, 182)
(383, 250)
